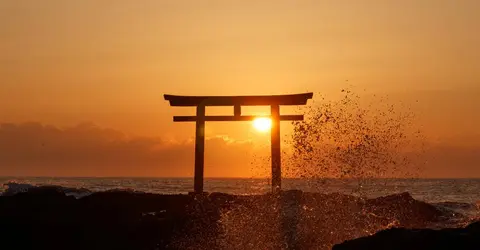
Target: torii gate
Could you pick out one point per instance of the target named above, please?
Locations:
(274, 101)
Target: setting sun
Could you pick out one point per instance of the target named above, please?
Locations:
(262, 124)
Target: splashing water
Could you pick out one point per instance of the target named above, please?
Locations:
(344, 139)
(351, 139)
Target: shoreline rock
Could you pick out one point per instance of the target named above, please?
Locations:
(467, 238)
(46, 218)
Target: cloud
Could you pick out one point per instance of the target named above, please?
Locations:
(88, 150)
(35, 149)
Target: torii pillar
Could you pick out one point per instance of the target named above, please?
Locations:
(201, 102)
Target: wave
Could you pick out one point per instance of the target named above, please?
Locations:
(13, 188)
(460, 206)
(459, 213)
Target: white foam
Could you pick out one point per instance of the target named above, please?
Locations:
(13, 188)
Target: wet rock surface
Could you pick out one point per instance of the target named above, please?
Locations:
(46, 218)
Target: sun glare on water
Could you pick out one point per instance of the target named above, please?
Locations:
(262, 124)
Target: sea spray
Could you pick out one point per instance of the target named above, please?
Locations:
(301, 220)
(356, 139)
(344, 139)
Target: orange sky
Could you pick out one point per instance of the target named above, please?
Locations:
(110, 62)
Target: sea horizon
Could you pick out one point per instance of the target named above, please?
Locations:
(462, 190)
(255, 178)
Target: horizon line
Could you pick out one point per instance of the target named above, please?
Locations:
(238, 178)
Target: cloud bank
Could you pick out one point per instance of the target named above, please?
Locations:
(34, 149)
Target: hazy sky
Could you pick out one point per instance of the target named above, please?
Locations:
(109, 62)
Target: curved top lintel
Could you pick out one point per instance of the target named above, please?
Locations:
(265, 100)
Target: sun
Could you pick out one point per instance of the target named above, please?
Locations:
(262, 124)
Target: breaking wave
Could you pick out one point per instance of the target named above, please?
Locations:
(13, 188)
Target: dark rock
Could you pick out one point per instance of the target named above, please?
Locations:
(46, 218)
(418, 239)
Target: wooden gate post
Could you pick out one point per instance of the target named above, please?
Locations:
(276, 152)
(199, 149)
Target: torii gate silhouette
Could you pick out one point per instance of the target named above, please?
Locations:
(200, 102)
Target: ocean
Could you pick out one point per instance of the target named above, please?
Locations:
(428, 190)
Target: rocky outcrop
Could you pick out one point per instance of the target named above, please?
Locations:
(46, 218)
(467, 238)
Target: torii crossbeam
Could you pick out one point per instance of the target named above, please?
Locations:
(200, 102)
